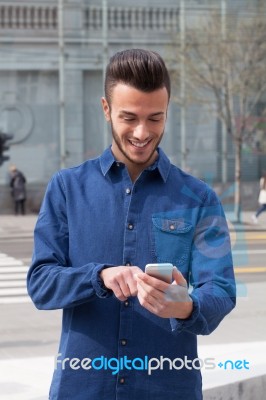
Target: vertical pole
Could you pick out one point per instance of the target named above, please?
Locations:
(61, 73)
(183, 86)
(105, 60)
(224, 131)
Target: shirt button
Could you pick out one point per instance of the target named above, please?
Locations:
(128, 190)
(123, 342)
(126, 303)
(122, 380)
(128, 264)
(130, 226)
(172, 227)
(118, 164)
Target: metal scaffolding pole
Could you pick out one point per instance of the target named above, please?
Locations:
(224, 131)
(105, 60)
(183, 86)
(61, 72)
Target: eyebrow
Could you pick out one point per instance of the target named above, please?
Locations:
(124, 112)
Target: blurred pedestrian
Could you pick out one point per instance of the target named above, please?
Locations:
(18, 189)
(261, 199)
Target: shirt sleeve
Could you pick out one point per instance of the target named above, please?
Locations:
(52, 281)
(211, 271)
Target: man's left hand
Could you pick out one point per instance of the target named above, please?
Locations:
(163, 299)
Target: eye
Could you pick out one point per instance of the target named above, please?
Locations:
(155, 119)
(129, 119)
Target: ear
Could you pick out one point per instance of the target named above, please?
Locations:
(106, 109)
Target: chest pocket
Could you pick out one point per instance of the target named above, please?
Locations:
(172, 240)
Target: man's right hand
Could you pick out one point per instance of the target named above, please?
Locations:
(121, 280)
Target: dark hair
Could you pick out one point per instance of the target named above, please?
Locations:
(142, 69)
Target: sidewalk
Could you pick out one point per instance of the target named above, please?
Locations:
(241, 337)
(23, 226)
(247, 223)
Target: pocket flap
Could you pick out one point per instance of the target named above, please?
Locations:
(174, 226)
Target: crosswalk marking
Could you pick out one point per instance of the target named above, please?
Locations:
(249, 269)
(13, 291)
(10, 261)
(12, 269)
(15, 300)
(11, 283)
(248, 251)
(13, 275)
(248, 235)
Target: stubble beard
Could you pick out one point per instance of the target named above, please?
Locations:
(126, 155)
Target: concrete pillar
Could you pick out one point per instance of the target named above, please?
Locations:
(74, 126)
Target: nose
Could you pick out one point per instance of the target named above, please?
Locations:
(141, 132)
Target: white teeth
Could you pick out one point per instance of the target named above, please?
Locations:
(137, 144)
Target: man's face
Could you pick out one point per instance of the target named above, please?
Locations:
(137, 120)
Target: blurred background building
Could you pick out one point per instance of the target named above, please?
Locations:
(52, 60)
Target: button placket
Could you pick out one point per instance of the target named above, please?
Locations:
(129, 255)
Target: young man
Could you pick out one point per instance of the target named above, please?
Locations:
(127, 335)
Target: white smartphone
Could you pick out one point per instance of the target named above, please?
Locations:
(162, 271)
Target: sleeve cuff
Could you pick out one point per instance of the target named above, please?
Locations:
(100, 289)
(178, 325)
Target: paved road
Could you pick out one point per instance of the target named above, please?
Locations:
(12, 280)
(16, 240)
(16, 244)
(249, 259)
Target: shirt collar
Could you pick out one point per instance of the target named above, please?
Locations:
(162, 163)
(106, 160)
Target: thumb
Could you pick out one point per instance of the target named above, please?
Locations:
(178, 278)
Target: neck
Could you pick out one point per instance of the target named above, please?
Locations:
(134, 169)
(134, 173)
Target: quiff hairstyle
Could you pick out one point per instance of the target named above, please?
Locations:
(142, 69)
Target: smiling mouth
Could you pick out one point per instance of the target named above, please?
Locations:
(139, 145)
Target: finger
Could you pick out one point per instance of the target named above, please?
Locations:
(150, 303)
(124, 287)
(115, 287)
(132, 286)
(123, 278)
(151, 291)
(136, 270)
(178, 278)
(145, 299)
(152, 282)
(127, 283)
(149, 295)
(145, 303)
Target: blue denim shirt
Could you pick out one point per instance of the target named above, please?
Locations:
(93, 217)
